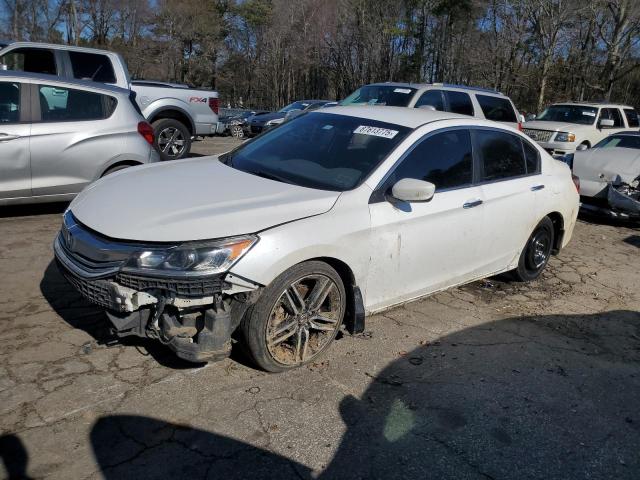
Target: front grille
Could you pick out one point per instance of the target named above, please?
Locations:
(96, 291)
(197, 287)
(538, 135)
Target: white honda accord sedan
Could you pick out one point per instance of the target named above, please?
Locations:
(309, 227)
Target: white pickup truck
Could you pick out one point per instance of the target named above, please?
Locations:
(176, 111)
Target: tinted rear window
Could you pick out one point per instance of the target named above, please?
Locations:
(497, 109)
(58, 104)
(632, 117)
(501, 155)
(459, 102)
(9, 102)
(92, 66)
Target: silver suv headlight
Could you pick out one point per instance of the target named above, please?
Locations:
(565, 137)
(191, 259)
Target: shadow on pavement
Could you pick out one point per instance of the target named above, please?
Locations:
(33, 209)
(14, 457)
(529, 397)
(80, 314)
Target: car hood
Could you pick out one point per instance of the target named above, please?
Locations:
(555, 126)
(193, 199)
(605, 164)
(265, 117)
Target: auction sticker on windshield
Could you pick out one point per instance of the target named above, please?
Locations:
(376, 131)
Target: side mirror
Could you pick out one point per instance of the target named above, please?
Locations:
(606, 123)
(292, 113)
(428, 107)
(521, 118)
(581, 147)
(412, 190)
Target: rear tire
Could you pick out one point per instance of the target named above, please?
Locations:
(296, 318)
(172, 138)
(536, 253)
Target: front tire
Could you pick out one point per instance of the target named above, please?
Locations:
(296, 318)
(173, 139)
(536, 253)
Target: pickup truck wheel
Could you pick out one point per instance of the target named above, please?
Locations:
(536, 253)
(172, 138)
(296, 318)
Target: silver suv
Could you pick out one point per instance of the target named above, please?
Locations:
(473, 101)
(58, 136)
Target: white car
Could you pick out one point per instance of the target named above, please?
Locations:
(610, 175)
(339, 213)
(564, 128)
(444, 97)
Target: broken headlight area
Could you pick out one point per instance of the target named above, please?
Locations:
(180, 295)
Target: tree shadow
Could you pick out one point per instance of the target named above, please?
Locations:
(67, 302)
(14, 457)
(527, 397)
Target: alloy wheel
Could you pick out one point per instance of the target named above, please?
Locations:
(171, 142)
(304, 320)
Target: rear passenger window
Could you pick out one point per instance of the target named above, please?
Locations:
(532, 157)
(459, 102)
(9, 102)
(92, 66)
(34, 60)
(59, 104)
(612, 114)
(500, 155)
(432, 98)
(632, 117)
(497, 109)
(443, 159)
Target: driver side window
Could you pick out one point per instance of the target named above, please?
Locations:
(443, 159)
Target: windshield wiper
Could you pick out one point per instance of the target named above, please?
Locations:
(269, 176)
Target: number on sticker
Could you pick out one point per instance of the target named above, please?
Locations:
(376, 131)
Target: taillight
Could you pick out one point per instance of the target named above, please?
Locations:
(213, 105)
(146, 131)
(576, 182)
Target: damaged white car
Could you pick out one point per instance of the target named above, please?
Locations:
(337, 214)
(610, 176)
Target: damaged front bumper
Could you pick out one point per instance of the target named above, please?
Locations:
(618, 201)
(194, 317)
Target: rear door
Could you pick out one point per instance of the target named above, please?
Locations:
(15, 128)
(459, 102)
(70, 141)
(509, 187)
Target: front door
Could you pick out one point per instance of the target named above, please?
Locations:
(421, 247)
(15, 173)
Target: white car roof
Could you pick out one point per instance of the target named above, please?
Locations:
(448, 86)
(59, 47)
(594, 104)
(403, 116)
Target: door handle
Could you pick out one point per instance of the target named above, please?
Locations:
(472, 203)
(535, 188)
(5, 137)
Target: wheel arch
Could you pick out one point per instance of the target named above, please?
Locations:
(128, 163)
(558, 230)
(174, 113)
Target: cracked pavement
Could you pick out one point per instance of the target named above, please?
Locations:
(492, 380)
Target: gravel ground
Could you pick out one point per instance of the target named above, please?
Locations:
(493, 380)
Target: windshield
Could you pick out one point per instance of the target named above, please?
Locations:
(319, 150)
(389, 95)
(294, 106)
(620, 141)
(569, 114)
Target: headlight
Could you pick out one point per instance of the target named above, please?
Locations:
(565, 137)
(197, 259)
(275, 121)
